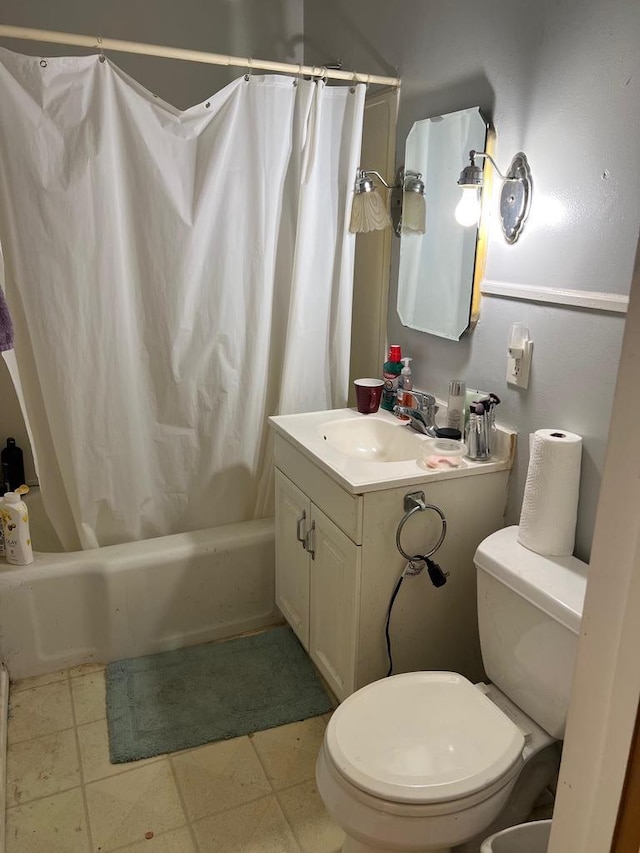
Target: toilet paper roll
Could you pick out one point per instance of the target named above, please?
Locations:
(550, 504)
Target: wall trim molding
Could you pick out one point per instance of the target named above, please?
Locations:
(590, 299)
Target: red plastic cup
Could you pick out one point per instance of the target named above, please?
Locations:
(368, 394)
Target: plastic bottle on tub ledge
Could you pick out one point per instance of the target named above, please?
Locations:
(15, 524)
(12, 466)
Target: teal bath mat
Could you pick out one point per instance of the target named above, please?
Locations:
(176, 700)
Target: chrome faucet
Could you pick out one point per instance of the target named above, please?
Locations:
(422, 417)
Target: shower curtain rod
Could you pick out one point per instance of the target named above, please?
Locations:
(102, 44)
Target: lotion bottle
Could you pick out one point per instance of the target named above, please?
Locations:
(15, 522)
(455, 406)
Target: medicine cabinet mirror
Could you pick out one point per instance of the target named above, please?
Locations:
(438, 268)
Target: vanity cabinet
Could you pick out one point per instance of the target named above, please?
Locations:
(317, 584)
(337, 564)
(293, 514)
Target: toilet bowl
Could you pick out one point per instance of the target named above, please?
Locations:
(428, 761)
(419, 762)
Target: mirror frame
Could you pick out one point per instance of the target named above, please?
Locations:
(483, 234)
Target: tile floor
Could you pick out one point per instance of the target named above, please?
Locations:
(252, 794)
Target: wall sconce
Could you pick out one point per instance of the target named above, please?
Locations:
(408, 206)
(515, 197)
(368, 210)
(408, 210)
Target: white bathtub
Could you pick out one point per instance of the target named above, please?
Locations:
(131, 600)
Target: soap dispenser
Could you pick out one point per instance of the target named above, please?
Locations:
(406, 384)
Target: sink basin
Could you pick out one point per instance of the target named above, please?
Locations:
(372, 440)
(351, 448)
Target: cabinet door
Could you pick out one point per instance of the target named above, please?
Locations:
(293, 510)
(335, 602)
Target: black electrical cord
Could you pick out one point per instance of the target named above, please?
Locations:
(386, 630)
(437, 577)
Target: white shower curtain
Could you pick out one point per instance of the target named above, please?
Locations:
(174, 278)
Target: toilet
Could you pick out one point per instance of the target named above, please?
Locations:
(428, 761)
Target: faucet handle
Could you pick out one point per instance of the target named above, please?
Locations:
(401, 411)
(423, 401)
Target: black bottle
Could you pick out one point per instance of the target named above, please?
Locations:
(12, 466)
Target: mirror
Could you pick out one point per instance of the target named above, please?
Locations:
(436, 276)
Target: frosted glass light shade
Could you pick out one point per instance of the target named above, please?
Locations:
(368, 213)
(468, 208)
(414, 213)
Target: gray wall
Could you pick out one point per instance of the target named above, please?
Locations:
(560, 80)
(265, 29)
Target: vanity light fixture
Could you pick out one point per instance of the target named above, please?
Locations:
(515, 197)
(369, 212)
(413, 210)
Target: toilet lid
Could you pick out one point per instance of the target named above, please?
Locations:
(422, 737)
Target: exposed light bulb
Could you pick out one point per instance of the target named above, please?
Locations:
(468, 208)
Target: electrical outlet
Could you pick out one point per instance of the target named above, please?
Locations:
(513, 370)
(518, 368)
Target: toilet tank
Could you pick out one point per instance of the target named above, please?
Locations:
(529, 612)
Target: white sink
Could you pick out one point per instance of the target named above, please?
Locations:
(372, 439)
(351, 448)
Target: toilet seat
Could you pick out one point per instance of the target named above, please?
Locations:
(422, 737)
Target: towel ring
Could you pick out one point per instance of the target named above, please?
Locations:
(414, 503)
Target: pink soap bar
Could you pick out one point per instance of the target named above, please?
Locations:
(443, 461)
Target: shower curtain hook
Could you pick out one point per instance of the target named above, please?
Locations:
(355, 82)
(247, 76)
(324, 74)
(299, 77)
(101, 56)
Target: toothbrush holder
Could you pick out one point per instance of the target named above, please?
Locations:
(481, 436)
